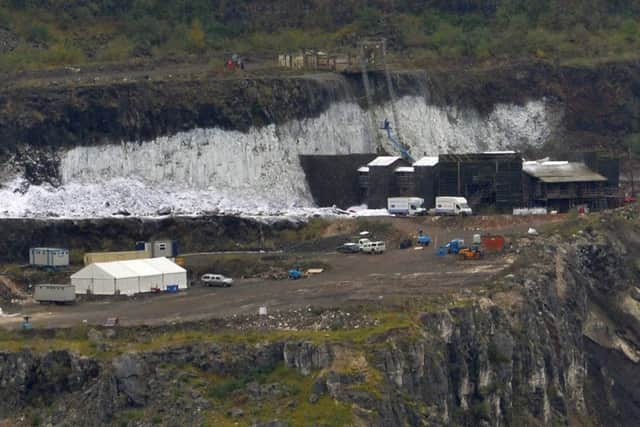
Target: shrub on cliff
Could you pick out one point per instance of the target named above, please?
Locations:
(196, 39)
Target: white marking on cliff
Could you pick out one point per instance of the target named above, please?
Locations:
(258, 172)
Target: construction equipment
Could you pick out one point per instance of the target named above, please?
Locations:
(295, 273)
(406, 243)
(370, 49)
(424, 240)
(473, 252)
(366, 58)
(396, 143)
(454, 246)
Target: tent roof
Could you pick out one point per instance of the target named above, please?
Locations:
(130, 268)
(165, 265)
(561, 171)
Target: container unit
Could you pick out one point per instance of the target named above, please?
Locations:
(164, 248)
(49, 257)
(54, 293)
(493, 243)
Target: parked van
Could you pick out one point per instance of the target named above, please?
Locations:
(447, 205)
(374, 248)
(362, 243)
(406, 206)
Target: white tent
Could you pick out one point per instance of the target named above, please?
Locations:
(129, 277)
(173, 274)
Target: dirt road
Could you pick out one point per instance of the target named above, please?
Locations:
(352, 279)
(394, 276)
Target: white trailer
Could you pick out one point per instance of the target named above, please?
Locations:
(54, 293)
(406, 205)
(447, 205)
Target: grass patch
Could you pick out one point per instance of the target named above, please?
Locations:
(231, 393)
(314, 229)
(223, 389)
(17, 341)
(248, 265)
(75, 339)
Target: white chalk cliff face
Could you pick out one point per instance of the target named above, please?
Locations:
(258, 172)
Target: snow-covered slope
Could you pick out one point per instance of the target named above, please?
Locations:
(258, 172)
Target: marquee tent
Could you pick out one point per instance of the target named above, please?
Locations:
(129, 277)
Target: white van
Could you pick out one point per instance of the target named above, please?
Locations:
(447, 205)
(374, 247)
(406, 206)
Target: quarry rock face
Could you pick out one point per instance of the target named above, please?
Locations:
(233, 146)
(543, 346)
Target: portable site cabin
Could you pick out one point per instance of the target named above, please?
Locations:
(129, 277)
(164, 248)
(49, 257)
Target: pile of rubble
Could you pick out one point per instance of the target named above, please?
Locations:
(304, 319)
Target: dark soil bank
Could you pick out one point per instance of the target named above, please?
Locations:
(601, 103)
(193, 234)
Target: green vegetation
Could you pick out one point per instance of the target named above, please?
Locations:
(250, 265)
(57, 32)
(231, 393)
(495, 356)
(77, 339)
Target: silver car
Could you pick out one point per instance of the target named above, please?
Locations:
(211, 279)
